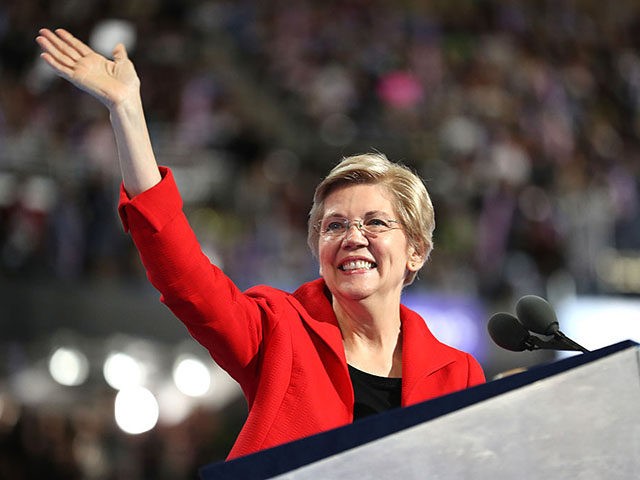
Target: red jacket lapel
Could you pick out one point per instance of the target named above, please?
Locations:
(422, 355)
(312, 301)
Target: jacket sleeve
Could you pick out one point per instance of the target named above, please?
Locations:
(224, 320)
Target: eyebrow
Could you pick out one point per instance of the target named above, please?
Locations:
(369, 214)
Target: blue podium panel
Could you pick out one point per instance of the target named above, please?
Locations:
(575, 418)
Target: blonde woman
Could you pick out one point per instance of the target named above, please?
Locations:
(338, 348)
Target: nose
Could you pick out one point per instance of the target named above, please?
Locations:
(354, 236)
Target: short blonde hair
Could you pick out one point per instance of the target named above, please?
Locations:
(410, 198)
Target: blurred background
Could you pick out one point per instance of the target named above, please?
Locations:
(522, 117)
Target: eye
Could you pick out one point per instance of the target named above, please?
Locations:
(377, 223)
(334, 226)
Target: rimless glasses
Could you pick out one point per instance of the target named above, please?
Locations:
(337, 227)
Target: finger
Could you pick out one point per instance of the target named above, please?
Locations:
(61, 44)
(61, 69)
(80, 46)
(51, 49)
(120, 52)
(51, 44)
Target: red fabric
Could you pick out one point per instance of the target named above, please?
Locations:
(284, 349)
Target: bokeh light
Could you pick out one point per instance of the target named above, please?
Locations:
(69, 366)
(136, 410)
(122, 370)
(191, 376)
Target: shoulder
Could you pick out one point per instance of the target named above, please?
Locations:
(270, 297)
(421, 342)
(308, 297)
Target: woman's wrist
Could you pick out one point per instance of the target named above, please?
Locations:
(128, 108)
(137, 161)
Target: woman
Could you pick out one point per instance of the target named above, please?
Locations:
(336, 349)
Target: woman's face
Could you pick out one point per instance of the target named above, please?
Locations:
(357, 265)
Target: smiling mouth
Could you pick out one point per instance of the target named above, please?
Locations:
(357, 265)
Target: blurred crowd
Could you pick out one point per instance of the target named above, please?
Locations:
(53, 444)
(522, 117)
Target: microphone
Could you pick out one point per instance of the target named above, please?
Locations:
(538, 316)
(508, 333)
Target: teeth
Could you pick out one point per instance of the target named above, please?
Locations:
(357, 264)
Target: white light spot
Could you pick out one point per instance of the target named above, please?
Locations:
(121, 370)
(136, 410)
(69, 366)
(108, 33)
(191, 376)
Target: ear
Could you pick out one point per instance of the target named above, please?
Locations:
(415, 260)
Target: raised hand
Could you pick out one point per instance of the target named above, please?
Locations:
(113, 82)
(116, 84)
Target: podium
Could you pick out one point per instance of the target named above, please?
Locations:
(576, 418)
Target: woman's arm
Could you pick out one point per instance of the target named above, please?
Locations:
(117, 86)
(219, 316)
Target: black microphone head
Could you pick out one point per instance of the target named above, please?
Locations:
(507, 332)
(537, 315)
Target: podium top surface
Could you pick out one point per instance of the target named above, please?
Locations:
(285, 458)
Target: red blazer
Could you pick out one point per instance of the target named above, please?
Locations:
(285, 350)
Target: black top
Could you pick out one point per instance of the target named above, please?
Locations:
(373, 394)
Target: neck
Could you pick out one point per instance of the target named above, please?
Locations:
(372, 338)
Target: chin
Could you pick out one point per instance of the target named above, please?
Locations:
(355, 292)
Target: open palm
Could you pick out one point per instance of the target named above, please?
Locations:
(110, 81)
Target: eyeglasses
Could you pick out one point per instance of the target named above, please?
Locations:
(335, 227)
